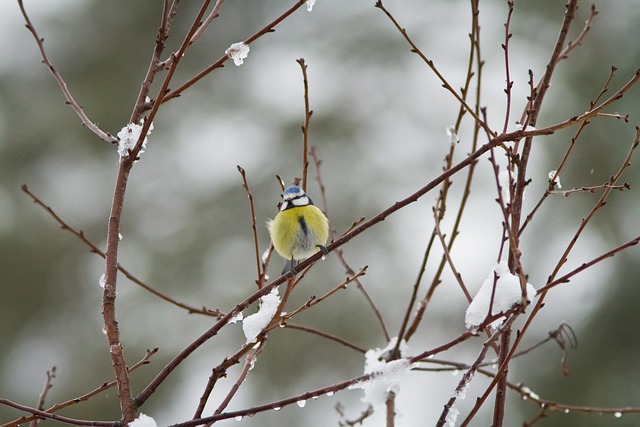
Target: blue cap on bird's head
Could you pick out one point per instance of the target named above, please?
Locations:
(293, 196)
(291, 192)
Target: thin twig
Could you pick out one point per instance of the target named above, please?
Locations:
(315, 300)
(447, 255)
(465, 381)
(305, 126)
(326, 335)
(566, 278)
(205, 24)
(574, 140)
(96, 250)
(60, 418)
(415, 49)
(269, 28)
(48, 385)
(105, 386)
(248, 365)
(590, 189)
(534, 111)
(509, 82)
(541, 296)
(261, 279)
(475, 57)
(527, 394)
(141, 105)
(105, 136)
(317, 163)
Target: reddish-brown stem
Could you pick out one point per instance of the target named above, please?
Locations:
(305, 126)
(256, 247)
(269, 28)
(63, 85)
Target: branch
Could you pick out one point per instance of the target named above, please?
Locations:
(48, 385)
(534, 110)
(415, 49)
(305, 126)
(339, 252)
(95, 249)
(105, 136)
(60, 418)
(85, 397)
(566, 278)
(245, 184)
(269, 28)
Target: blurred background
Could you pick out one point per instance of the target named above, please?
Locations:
(379, 128)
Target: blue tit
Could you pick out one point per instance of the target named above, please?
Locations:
(299, 230)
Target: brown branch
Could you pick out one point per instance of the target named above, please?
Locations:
(305, 126)
(415, 49)
(261, 276)
(474, 53)
(332, 388)
(48, 385)
(534, 111)
(590, 189)
(141, 105)
(127, 405)
(269, 28)
(248, 365)
(315, 300)
(541, 296)
(326, 335)
(352, 233)
(83, 398)
(464, 382)
(60, 418)
(96, 250)
(340, 253)
(127, 408)
(447, 256)
(509, 82)
(578, 41)
(205, 24)
(105, 136)
(574, 140)
(566, 278)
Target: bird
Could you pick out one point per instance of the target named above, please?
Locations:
(299, 230)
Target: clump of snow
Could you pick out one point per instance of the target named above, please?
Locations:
(553, 175)
(386, 376)
(254, 324)
(102, 281)
(507, 294)
(452, 416)
(310, 4)
(128, 136)
(520, 127)
(504, 179)
(143, 421)
(237, 318)
(461, 390)
(529, 393)
(453, 136)
(238, 52)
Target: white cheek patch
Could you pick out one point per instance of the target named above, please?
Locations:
(300, 201)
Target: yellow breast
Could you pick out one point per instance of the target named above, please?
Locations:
(297, 232)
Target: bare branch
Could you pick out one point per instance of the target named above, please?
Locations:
(105, 136)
